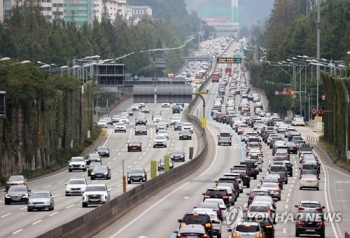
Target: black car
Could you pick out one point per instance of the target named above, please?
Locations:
(92, 157)
(232, 180)
(140, 130)
(161, 164)
(137, 175)
(200, 219)
(289, 168)
(244, 177)
(217, 193)
(145, 110)
(292, 134)
(140, 121)
(17, 194)
(92, 165)
(103, 151)
(185, 135)
(102, 171)
(177, 155)
(178, 126)
(252, 166)
(310, 223)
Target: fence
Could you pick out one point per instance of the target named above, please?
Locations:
(312, 139)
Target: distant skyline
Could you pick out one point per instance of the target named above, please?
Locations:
(248, 12)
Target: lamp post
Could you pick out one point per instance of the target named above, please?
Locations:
(318, 25)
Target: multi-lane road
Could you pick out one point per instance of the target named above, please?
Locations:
(157, 217)
(15, 221)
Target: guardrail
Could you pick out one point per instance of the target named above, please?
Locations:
(92, 222)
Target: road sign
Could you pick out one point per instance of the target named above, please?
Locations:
(292, 92)
(314, 111)
(276, 93)
(203, 92)
(284, 92)
(228, 60)
(323, 97)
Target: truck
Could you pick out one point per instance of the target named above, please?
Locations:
(225, 138)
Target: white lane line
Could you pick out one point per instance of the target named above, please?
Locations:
(70, 206)
(36, 222)
(17, 231)
(60, 182)
(56, 195)
(119, 185)
(115, 158)
(33, 190)
(115, 174)
(286, 206)
(47, 186)
(140, 157)
(22, 208)
(52, 214)
(284, 230)
(135, 162)
(119, 153)
(6, 215)
(144, 153)
(288, 194)
(129, 166)
(287, 200)
(83, 175)
(109, 162)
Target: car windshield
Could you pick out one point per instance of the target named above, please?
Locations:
(159, 138)
(176, 152)
(195, 219)
(100, 169)
(134, 142)
(162, 132)
(17, 189)
(260, 193)
(77, 159)
(95, 188)
(310, 205)
(247, 228)
(16, 178)
(40, 195)
(94, 155)
(310, 166)
(120, 124)
(216, 193)
(186, 124)
(269, 185)
(136, 171)
(102, 148)
(277, 168)
(77, 181)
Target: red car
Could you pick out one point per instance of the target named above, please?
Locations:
(134, 145)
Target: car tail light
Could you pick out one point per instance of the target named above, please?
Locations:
(259, 235)
(182, 224)
(179, 235)
(276, 190)
(207, 225)
(205, 236)
(235, 234)
(251, 197)
(319, 209)
(225, 197)
(206, 196)
(301, 223)
(301, 208)
(319, 223)
(269, 226)
(218, 212)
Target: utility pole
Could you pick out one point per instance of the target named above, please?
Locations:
(318, 25)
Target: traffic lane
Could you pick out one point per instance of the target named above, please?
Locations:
(191, 194)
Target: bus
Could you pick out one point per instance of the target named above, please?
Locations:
(228, 69)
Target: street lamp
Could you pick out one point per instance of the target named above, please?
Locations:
(5, 58)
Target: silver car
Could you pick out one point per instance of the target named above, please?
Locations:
(76, 186)
(163, 133)
(309, 181)
(40, 200)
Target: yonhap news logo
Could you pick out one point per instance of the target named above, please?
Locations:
(233, 215)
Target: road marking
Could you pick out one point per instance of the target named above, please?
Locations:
(47, 186)
(115, 158)
(119, 153)
(144, 153)
(287, 200)
(23, 208)
(284, 230)
(56, 195)
(53, 214)
(286, 206)
(36, 222)
(60, 182)
(6, 215)
(140, 157)
(129, 166)
(70, 206)
(290, 189)
(115, 174)
(288, 194)
(119, 185)
(109, 162)
(17, 231)
(135, 162)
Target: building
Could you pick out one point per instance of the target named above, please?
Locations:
(1, 10)
(139, 12)
(110, 9)
(223, 26)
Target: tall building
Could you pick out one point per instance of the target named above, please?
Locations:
(79, 10)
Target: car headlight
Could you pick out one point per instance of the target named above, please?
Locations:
(7, 196)
(92, 173)
(67, 189)
(105, 173)
(143, 175)
(25, 195)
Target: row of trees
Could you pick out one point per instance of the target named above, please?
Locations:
(27, 35)
(291, 31)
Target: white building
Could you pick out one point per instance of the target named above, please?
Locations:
(139, 12)
(111, 8)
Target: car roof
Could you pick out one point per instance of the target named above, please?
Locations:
(96, 184)
(40, 192)
(310, 201)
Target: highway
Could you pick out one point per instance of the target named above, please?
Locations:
(157, 217)
(15, 221)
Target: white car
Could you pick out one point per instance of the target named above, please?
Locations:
(218, 201)
(134, 107)
(175, 118)
(156, 118)
(159, 140)
(124, 119)
(282, 128)
(298, 122)
(164, 121)
(77, 163)
(141, 105)
(163, 133)
(102, 123)
(124, 114)
(309, 181)
(76, 186)
(166, 104)
(108, 120)
(115, 118)
(120, 126)
(95, 194)
(187, 126)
